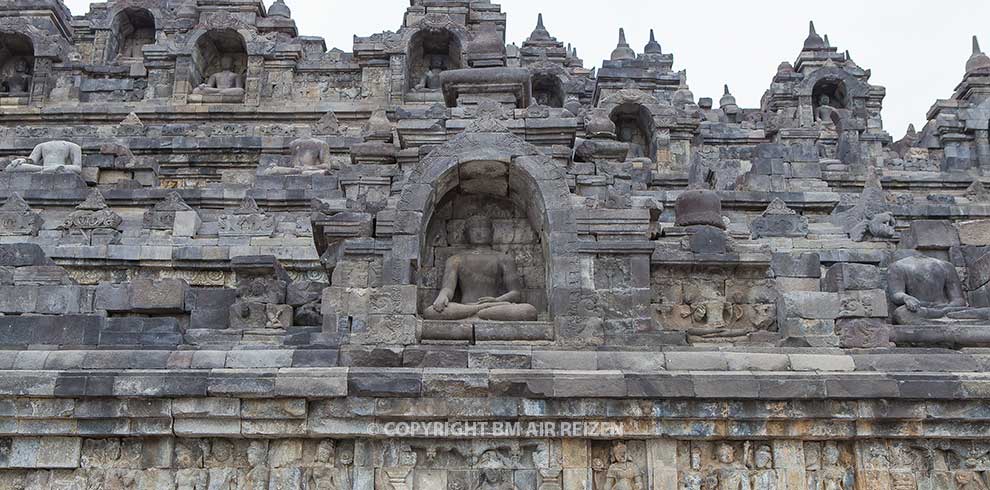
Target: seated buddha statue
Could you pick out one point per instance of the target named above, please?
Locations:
(225, 82)
(310, 156)
(928, 290)
(430, 81)
(476, 275)
(18, 82)
(50, 157)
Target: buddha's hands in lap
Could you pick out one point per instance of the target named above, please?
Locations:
(441, 303)
(912, 304)
(487, 299)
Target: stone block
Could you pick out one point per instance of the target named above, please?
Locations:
(809, 305)
(707, 240)
(863, 333)
(852, 277)
(976, 233)
(447, 331)
(385, 329)
(162, 296)
(796, 265)
(42, 453)
(821, 362)
(375, 383)
(931, 235)
(209, 308)
(870, 303)
(22, 255)
(186, 224)
(779, 225)
(513, 331)
(112, 297)
(439, 356)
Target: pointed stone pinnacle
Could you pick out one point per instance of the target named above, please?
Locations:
(976, 45)
(811, 28)
(727, 90)
(828, 43)
(622, 50)
(653, 47)
(539, 21)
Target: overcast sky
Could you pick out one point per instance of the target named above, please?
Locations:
(916, 48)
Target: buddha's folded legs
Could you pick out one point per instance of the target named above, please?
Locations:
(498, 312)
(511, 312)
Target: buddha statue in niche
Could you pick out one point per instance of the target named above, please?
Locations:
(928, 290)
(310, 156)
(225, 82)
(477, 275)
(824, 110)
(430, 81)
(18, 82)
(50, 157)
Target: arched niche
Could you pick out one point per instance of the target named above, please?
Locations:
(132, 29)
(433, 49)
(634, 125)
(16, 64)
(548, 90)
(830, 91)
(483, 190)
(510, 181)
(214, 50)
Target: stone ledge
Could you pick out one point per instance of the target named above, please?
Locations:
(355, 416)
(503, 357)
(324, 383)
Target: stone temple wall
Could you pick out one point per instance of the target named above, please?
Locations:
(232, 258)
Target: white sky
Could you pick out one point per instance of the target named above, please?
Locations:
(916, 48)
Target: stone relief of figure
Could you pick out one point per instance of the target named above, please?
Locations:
(926, 289)
(969, 480)
(493, 479)
(693, 480)
(763, 476)
(622, 474)
(430, 81)
(324, 476)
(732, 475)
(832, 475)
(18, 82)
(50, 157)
(477, 275)
(225, 82)
(257, 476)
(310, 156)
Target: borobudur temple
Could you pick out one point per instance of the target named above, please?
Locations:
(231, 258)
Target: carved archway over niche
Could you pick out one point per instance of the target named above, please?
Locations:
(132, 29)
(634, 125)
(485, 162)
(432, 49)
(213, 48)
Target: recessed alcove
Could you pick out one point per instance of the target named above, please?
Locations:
(16, 65)
(431, 49)
(483, 188)
(632, 125)
(548, 91)
(133, 28)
